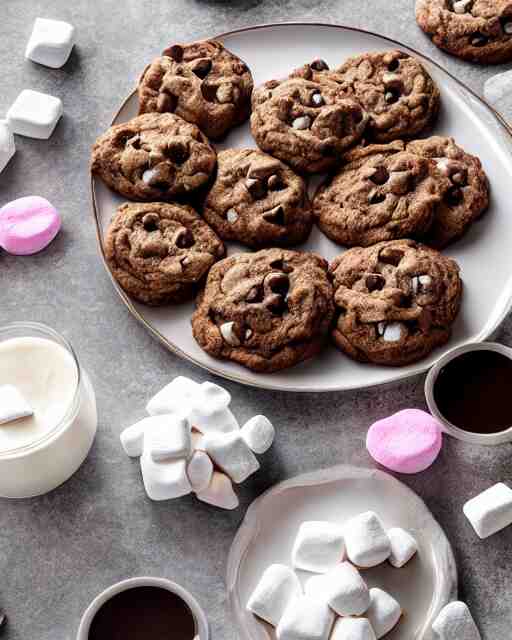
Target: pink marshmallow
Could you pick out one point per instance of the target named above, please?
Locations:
(407, 442)
(28, 225)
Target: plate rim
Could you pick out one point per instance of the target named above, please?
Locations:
(396, 375)
(250, 526)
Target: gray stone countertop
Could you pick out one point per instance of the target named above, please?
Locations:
(57, 552)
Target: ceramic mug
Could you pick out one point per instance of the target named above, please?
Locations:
(197, 613)
(476, 438)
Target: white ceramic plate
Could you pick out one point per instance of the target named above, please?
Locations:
(483, 254)
(422, 587)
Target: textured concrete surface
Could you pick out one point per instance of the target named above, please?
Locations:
(59, 551)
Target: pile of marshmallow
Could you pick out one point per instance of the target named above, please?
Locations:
(192, 442)
(327, 606)
(337, 604)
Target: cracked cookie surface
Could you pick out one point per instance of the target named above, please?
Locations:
(202, 82)
(382, 193)
(395, 301)
(393, 87)
(267, 310)
(468, 196)
(257, 200)
(160, 253)
(153, 157)
(475, 30)
(308, 125)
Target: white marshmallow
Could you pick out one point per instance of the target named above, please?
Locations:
(164, 480)
(319, 546)
(366, 541)
(50, 43)
(383, 613)
(278, 586)
(305, 618)
(498, 87)
(34, 114)
(230, 453)
(455, 622)
(200, 471)
(220, 492)
(173, 397)
(352, 629)
(7, 146)
(13, 405)
(132, 438)
(168, 439)
(491, 510)
(403, 547)
(342, 588)
(258, 433)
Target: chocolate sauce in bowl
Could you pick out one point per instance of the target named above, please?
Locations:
(474, 391)
(143, 613)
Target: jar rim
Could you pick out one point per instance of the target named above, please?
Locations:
(72, 410)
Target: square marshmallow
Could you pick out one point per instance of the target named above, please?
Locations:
(132, 438)
(164, 480)
(403, 547)
(305, 618)
(491, 510)
(7, 146)
(319, 546)
(455, 622)
(34, 114)
(169, 439)
(220, 492)
(277, 588)
(342, 588)
(352, 629)
(259, 434)
(13, 405)
(230, 452)
(383, 613)
(366, 541)
(50, 43)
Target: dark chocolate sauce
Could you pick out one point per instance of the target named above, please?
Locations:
(474, 391)
(143, 613)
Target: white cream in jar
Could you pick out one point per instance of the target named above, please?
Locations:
(40, 451)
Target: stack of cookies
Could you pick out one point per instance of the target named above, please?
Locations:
(396, 201)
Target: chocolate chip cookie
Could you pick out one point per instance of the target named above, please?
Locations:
(160, 253)
(267, 310)
(308, 125)
(383, 193)
(468, 196)
(475, 30)
(257, 200)
(202, 82)
(395, 301)
(392, 87)
(153, 157)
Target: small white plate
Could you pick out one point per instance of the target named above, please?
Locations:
(484, 253)
(422, 587)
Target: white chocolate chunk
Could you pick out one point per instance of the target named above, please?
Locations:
(352, 629)
(393, 331)
(50, 43)
(149, 175)
(164, 480)
(366, 542)
(7, 146)
(319, 546)
(170, 439)
(258, 433)
(232, 215)
(220, 492)
(387, 78)
(305, 618)
(342, 588)
(13, 405)
(491, 510)
(200, 471)
(228, 333)
(403, 547)
(302, 122)
(455, 622)
(383, 613)
(461, 6)
(34, 114)
(278, 586)
(425, 280)
(231, 454)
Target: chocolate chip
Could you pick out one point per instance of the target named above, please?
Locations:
(184, 239)
(254, 295)
(256, 188)
(319, 65)
(454, 196)
(278, 283)
(375, 197)
(201, 67)
(388, 255)
(277, 304)
(394, 64)
(175, 52)
(281, 265)
(177, 151)
(374, 282)
(479, 40)
(392, 95)
(166, 102)
(275, 183)
(381, 175)
(150, 222)
(275, 216)
(506, 25)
